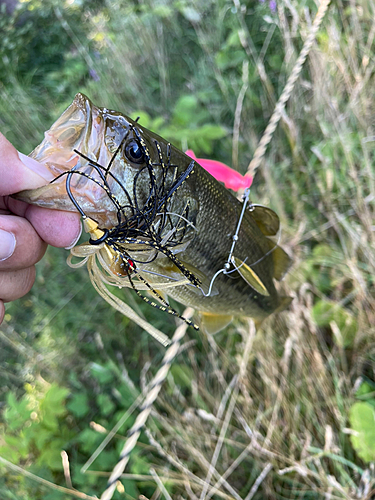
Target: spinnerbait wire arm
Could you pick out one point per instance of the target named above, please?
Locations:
(226, 267)
(246, 197)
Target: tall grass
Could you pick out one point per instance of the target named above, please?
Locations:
(244, 414)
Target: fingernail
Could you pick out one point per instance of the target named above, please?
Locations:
(7, 244)
(76, 238)
(36, 167)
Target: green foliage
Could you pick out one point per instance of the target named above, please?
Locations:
(71, 366)
(182, 376)
(188, 126)
(35, 428)
(362, 422)
(366, 392)
(324, 267)
(325, 312)
(103, 374)
(79, 404)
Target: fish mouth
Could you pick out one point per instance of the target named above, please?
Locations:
(75, 133)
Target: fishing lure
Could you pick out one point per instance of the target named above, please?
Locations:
(142, 230)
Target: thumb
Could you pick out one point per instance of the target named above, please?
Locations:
(18, 171)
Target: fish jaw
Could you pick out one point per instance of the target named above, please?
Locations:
(80, 128)
(86, 150)
(70, 131)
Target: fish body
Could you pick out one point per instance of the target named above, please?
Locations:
(125, 176)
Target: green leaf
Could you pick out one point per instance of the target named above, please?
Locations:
(103, 374)
(139, 465)
(157, 123)
(127, 395)
(144, 118)
(163, 11)
(365, 388)
(105, 404)
(15, 449)
(212, 132)
(16, 413)
(366, 392)
(362, 421)
(50, 422)
(89, 440)
(54, 400)
(324, 312)
(185, 110)
(41, 436)
(233, 59)
(78, 404)
(51, 455)
(52, 406)
(233, 39)
(183, 375)
(130, 488)
(322, 251)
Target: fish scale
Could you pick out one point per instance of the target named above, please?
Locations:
(209, 250)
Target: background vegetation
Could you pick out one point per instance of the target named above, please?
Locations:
(285, 413)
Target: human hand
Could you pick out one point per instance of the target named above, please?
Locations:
(25, 230)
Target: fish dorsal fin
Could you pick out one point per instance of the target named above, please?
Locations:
(266, 219)
(250, 276)
(213, 323)
(281, 261)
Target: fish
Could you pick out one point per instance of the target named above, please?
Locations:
(162, 223)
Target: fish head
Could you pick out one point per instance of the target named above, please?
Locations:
(107, 166)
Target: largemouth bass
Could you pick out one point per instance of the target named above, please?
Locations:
(166, 223)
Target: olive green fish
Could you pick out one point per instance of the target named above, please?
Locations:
(171, 219)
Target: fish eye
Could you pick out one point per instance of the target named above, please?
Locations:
(134, 151)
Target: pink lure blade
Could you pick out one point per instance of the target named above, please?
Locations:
(231, 178)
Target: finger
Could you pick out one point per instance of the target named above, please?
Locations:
(18, 172)
(16, 284)
(20, 244)
(57, 228)
(12, 206)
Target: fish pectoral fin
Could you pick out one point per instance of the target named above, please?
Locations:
(281, 261)
(213, 323)
(266, 219)
(250, 276)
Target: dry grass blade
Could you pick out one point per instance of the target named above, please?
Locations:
(67, 491)
(283, 99)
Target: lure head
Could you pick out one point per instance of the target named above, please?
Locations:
(115, 165)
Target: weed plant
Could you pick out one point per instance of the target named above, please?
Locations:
(285, 412)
